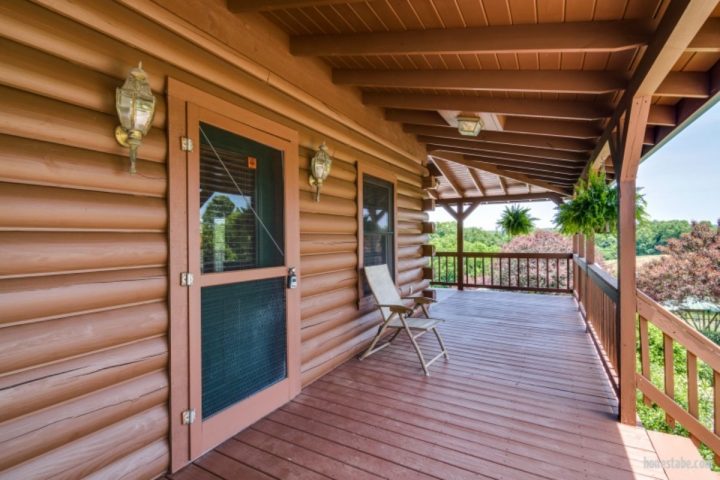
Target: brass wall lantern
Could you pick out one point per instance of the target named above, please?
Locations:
(469, 125)
(320, 169)
(135, 105)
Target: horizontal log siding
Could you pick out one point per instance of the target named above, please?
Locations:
(84, 253)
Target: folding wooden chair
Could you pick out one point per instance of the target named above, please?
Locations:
(396, 315)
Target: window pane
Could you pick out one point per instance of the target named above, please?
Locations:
(243, 341)
(378, 235)
(241, 202)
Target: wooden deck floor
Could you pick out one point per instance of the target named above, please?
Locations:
(523, 397)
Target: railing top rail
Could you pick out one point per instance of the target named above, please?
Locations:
(607, 283)
(506, 255)
(680, 331)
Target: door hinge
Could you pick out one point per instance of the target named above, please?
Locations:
(188, 416)
(186, 279)
(186, 144)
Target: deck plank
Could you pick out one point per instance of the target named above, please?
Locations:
(524, 396)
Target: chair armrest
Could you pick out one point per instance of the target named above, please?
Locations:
(400, 309)
(420, 300)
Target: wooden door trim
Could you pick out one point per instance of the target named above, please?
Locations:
(181, 95)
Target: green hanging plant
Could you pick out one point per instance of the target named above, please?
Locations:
(516, 220)
(594, 209)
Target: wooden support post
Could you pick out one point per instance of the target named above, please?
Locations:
(627, 306)
(581, 245)
(460, 246)
(590, 249)
(627, 148)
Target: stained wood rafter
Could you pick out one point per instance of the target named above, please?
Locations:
(597, 36)
(239, 6)
(449, 176)
(502, 183)
(557, 109)
(588, 82)
(477, 180)
(457, 158)
(507, 138)
(559, 155)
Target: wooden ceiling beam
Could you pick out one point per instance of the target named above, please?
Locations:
(559, 109)
(679, 26)
(450, 177)
(586, 82)
(554, 128)
(240, 6)
(707, 39)
(507, 157)
(477, 180)
(415, 117)
(529, 167)
(501, 159)
(662, 115)
(453, 157)
(560, 155)
(604, 36)
(685, 85)
(521, 197)
(530, 126)
(508, 138)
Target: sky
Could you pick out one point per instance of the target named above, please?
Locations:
(680, 181)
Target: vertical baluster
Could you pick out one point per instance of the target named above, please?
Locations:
(537, 272)
(669, 373)
(557, 273)
(547, 273)
(644, 353)
(492, 271)
(692, 381)
(483, 270)
(527, 273)
(447, 273)
(500, 277)
(517, 272)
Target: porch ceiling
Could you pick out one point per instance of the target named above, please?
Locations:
(552, 73)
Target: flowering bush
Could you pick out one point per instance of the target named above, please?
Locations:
(690, 269)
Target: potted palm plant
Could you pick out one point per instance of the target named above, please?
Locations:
(516, 220)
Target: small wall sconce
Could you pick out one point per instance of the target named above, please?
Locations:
(135, 105)
(469, 125)
(320, 169)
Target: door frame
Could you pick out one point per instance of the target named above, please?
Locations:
(179, 97)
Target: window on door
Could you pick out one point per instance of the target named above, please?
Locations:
(378, 225)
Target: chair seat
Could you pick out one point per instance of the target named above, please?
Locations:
(416, 323)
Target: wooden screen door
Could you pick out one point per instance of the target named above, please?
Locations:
(242, 249)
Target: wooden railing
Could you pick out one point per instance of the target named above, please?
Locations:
(697, 347)
(535, 272)
(597, 295)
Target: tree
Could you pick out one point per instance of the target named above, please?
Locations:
(691, 269)
(516, 220)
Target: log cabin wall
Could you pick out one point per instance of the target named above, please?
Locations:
(84, 317)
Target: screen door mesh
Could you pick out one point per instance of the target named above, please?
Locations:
(243, 341)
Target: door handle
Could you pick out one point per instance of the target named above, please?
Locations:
(292, 280)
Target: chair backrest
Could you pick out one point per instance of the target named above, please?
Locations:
(382, 287)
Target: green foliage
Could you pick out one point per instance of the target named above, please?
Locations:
(594, 209)
(650, 235)
(516, 220)
(476, 239)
